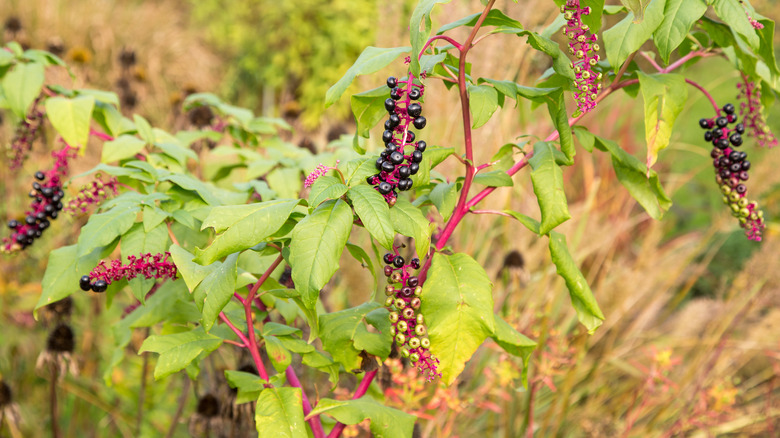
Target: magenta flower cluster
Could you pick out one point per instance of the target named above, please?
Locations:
(751, 110)
(93, 193)
(753, 21)
(146, 265)
(408, 324)
(47, 197)
(25, 135)
(583, 46)
(320, 170)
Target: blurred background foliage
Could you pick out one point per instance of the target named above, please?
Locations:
(691, 345)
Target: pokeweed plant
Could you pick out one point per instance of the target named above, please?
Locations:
(203, 233)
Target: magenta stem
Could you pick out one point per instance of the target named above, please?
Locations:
(314, 422)
(100, 135)
(440, 37)
(706, 93)
(359, 392)
(235, 329)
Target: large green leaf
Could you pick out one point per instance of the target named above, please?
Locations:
(494, 18)
(483, 102)
(386, 422)
(582, 298)
(409, 221)
(103, 228)
(561, 63)
(22, 85)
(371, 60)
(63, 271)
(243, 226)
(419, 29)
(679, 18)
(445, 196)
(733, 14)
(124, 146)
(637, 7)
(178, 350)
(458, 307)
(71, 118)
(215, 290)
(344, 334)
(326, 187)
(664, 97)
(192, 273)
(514, 343)
(279, 355)
(495, 178)
(627, 36)
(208, 192)
(317, 243)
(369, 108)
(373, 211)
(593, 20)
(547, 179)
(249, 385)
(279, 413)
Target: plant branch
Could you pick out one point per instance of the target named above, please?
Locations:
(314, 421)
(182, 401)
(500, 213)
(439, 37)
(100, 135)
(706, 93)
(359, 392)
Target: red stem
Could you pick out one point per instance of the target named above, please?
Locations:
(100, 135)
(706, 93)
(359, 392)
(314, 422)
(440, 37)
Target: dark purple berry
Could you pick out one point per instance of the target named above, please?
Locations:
(388, 258)
(724, 162)
(84, 283)
(421, 145)
(413, 281)
(414, 168)
(731, 118)
(29, 220)
(415, 262)
(395, 93)
(406, 292)
(99, 286)
(398, 261)
(417, 156)
(387, 136)
(13, 224)
(405, 184)
(704, 123)
(740, 128)
(30, 232)
(744, 175)
(735, 156)
(379, 162)
(40, 176)
(410, 137)
(735, 167)
(36, 186)
(741, 188)
(396, 158)
(394, 120)
(746, 165)
(414, 109)
(708, 136)
(728, 108)
(725, 173)
(404, 172)
(414, 93)
(388, 271)
(715, 153)
(390, 105)
(717, 133)
(736, 139)
(44, 224)
(723, 143)
(370, 179)
(392, 82)
(47, 192)
(54, 214)
(388, 166)
(384, 188)
(721, 122)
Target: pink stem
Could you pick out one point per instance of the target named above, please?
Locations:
(235, 329)
(706, 93)
(100, 135)
(359, 392)
(314, 422)
(440, 37)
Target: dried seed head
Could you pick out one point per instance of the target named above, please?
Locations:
(208, 406)
(60, 340)
(5, 394)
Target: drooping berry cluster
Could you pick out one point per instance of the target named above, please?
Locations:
(751, 110)
(146, 265)
(93, 193)
(47, 197)
(402, 155)
(25, 135)
(408, 329)
(731, 170)
(582, 44)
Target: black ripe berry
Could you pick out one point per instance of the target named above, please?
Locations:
(704, 123)
(84, 283)
(414, 93)
(47, 192)
(741, 188)
(390, 105)
(413, 281)
(29, 220)
(398, 261)
(736, 139)
(404, 172)
(723, 143)
(415, 263)
(419, 122)
(735, 156)
(735, 167)
(717, 133)
(39, 176)
(99, 286)
(414, 109)
(384, 188)
(379, 162)
(388, 258)
(421, 145)
(388, 166)
(740, 128)
(13, 224)
(395, 94)
(405, 184)
(414, 168)
(721, 122)
(387, 136)
(746, 165)
(394, 120)
(396, 157)
(370, 180)
(707, 135)
(392, 82)
(728, 108)
(410, 137)
(417, 156)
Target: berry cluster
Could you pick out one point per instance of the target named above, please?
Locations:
(47, 197)
(408, 327)
(146, 265)
(582, 44)
(25, 135)
(731, 168)
(92, 194)
(395, 164)
(751, 110)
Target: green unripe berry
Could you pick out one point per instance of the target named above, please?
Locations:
(393, 331)
(415, 303)
(419, 330)
(734, 196)
(725, 189)
(404, 352)
(400, 303)
(389, 290)
(425, 343)
(414, 357)
(417, 291)
(400, 338)
(408, 313)
(744, 212)
(389, 302)
(743, 202)
(402, 326)
(394, 317)
(414, 342)
(420, 318)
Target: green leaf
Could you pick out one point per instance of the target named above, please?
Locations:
(208, 192)
(637, 8)
(22, 85)
(444, 196)
(144, 129)
(369, 108)
(582, 298)
(215, 290)
(514, 343)
(359, 169)
(561, 62)
(362, 256)
(279, 413)
(458, 307)
(547, 179)
(373, 211)
(593, 20)
(280, 356)
(326, 187)
(317, 243)
(179, 349)
(494, 18)
(103, 228)
(192, 273)
(386, 422)
(532, 224)
(483, 102)
(371, 60)
(344, 334)
(409, 221)
(767, 49)
(124, 146)
(679, 18)
(627, 36)
(664, 96)
(733, 14)
(106, 97)
(71, 118)
(243, 226)
(63, 271)
(496, 178)
(249, 385)
(419, 29)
